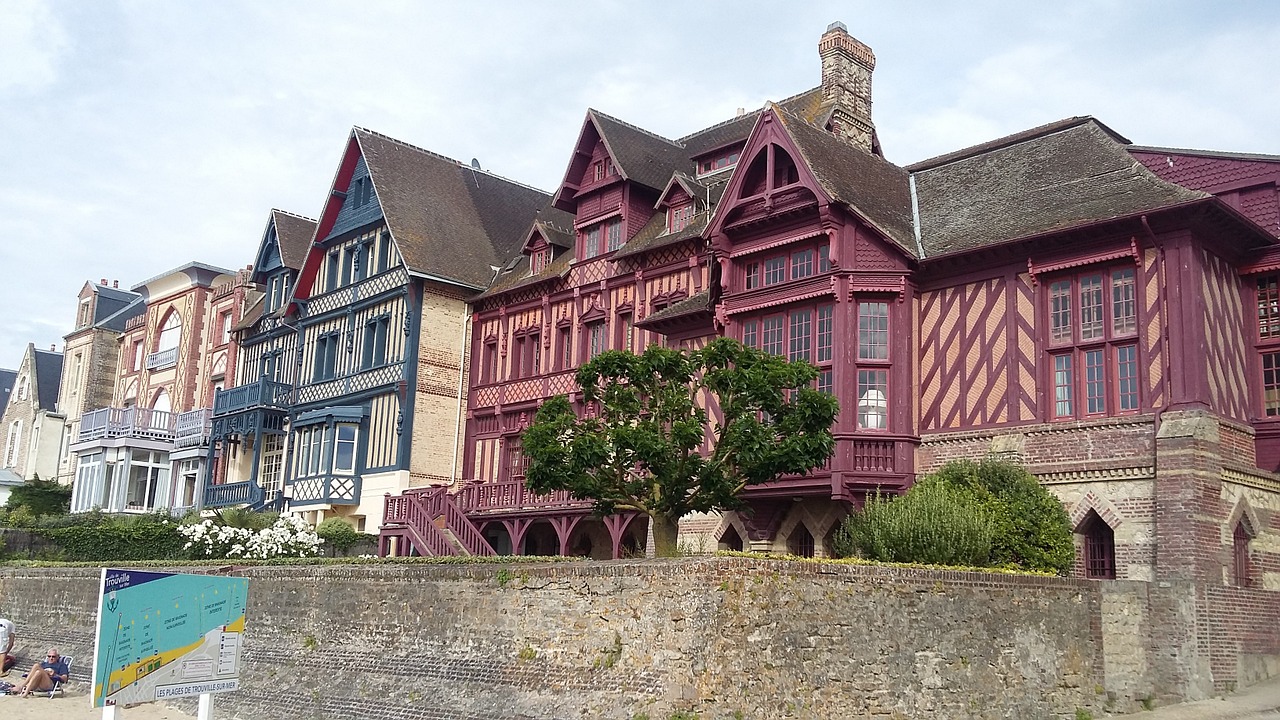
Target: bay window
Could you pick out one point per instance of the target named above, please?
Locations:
(793, 265)
(601, 238)
(1268, 305)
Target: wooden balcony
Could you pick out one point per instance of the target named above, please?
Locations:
(229, 494)
(130, 422)
(482, 498)
(261, 394)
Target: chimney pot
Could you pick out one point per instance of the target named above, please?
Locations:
(104, 282)
(115, 284)
(741, 112)
(53, 347)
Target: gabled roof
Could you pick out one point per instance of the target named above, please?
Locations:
(115, 307)
(252, 315)
(554, 226)
(117, 320)
(654, 234)
(449, 221)
(1054, 177)
(518, 276)
(873, 188)
(294, 234)
(806, 105)
(640, 156)
(46, 378)
(694, 307)
(692, 187)
(7, 380)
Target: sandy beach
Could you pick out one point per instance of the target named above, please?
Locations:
(74, 705)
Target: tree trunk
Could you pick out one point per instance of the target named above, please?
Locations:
(665, 532)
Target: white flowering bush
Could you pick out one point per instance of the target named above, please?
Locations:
(288, 536)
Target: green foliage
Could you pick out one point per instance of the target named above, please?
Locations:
(244, 518)
(642, 448)
(40, 497)
(1032, 530)
(1083, 714)
(118, 538)
(338, 534)
(932, 523)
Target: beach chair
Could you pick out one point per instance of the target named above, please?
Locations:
(57, 688)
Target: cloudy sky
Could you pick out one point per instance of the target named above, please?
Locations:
(138, 136)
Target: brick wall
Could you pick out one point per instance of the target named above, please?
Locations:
(765, 639)
(436, 417)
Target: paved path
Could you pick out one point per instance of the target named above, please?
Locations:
(1260, 702)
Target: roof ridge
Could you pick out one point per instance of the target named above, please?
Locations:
(1225, 154)
(446, 158)
(46, 352)
(637, 128)
(293, 215)
(1003, 141)
(736, 118)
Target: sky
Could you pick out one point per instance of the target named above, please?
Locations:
(141, 135)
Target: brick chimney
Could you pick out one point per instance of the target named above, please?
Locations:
(847, 65)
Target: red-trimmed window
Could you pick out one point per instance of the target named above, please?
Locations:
(626, 332)
(678, 218)
(771, 340)
(753, 275)
(597, 338)
(800, 335)
(802, 263)
(1268, 344)
(808, 332)
(1099, 548)
(526, 355)
(601, 238)
(873, 371)
(538, 260)
(751, 333)
(775, 270)
(1093, 352)
(565, 356)
(822, 356)
(514, 457)
(489, 364)
(796, 264)
(719, 162)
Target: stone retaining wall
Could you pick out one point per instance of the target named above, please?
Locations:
(727, 637)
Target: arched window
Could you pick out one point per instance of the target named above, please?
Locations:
(1243, 569)
(11, 447)
(24, 387)
(1099, 548)
(170, 332)
(800, 543)
(161, 401)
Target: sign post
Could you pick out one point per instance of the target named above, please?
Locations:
(167, 635)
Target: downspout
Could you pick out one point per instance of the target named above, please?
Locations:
(915, 214)
(463, 366)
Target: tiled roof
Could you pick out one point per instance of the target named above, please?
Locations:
(1054, 177)
(449, 220)
(518, 276)
(694, 305)
(117, 320)
(7, 380)
(48, 377)
(640, 155)
(872, 187)
(294, 233)
(806, 105)
(654, 235)
(1261, 157)
(253, 315)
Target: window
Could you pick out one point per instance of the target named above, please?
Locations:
(824, 258)
(1099, 548)
(1093, 319)
(751, 333)
(270, 365)
(598, 170)
(313, 450)
(526, 356)
(148, 477)
(873, 331)
(384, 252)
(802, 263)
(824, 352)
(753, 275)
(12, 443)
(613, 234)
(1268, 346)
(374, 345)
(344, 449)
(326, 357)
(489, 368)
(83, 318)
(626, 332)
(514, 458)
(362, 191)
(1242, 568)
(801, 335)
(538, 261)
(565, 340)
(188, 479)
(873, 392)
(137, 355)
(805, 333)
(331, 271)
(775, 270)
(170, 332)
(224, 328)
(597, 340)
(591, 242)
(719, 162)
(772, 340)
(77, 368)
(678, 218)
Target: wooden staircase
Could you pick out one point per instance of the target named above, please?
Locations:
(429, 522)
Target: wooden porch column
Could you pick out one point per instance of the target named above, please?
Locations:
(617, 525)
(517, 528)
(564, 526)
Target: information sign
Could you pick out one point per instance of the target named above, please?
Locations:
(167, 635)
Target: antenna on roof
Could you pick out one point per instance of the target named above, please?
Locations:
(475, 164)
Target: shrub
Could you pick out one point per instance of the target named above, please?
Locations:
(288, 536)
(118, 538)
(1032, 530)
(41, 497)
(932, 523)
(337, 534)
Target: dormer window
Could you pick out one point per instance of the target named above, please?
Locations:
(362, 191)
(538, 260)
(678, 218)
(718, 163)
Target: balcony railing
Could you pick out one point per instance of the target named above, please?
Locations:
(481, 497)
(127, 422)
(162, 359)
(262, 394)
(240, 493)
(326, 490)
(191, 429)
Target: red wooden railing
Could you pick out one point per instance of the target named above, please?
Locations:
(440, 502)
(511, 495)
(411, 512)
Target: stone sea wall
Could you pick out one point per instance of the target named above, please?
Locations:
(725, 637)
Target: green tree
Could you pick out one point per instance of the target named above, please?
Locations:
(648, 446)
(1032, 530)
(41, 497)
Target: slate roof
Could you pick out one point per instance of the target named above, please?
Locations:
(871, 186)
(252, 315)
(807, 105)
(8, 378)
(641, 156)
(117, 320)
(519, 276)
(449, 220)
(294, 234)
(48, 378)
(1261, 157)
(115, 307)
(1054, 177)
(654, 234)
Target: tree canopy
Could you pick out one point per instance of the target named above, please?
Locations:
(645, 441)
(40, 497)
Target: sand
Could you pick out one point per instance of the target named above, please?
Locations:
(74, 705)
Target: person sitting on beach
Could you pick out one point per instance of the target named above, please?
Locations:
(8, 633)
(43, 675)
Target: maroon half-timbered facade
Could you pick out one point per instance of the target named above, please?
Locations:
(1104, 313)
